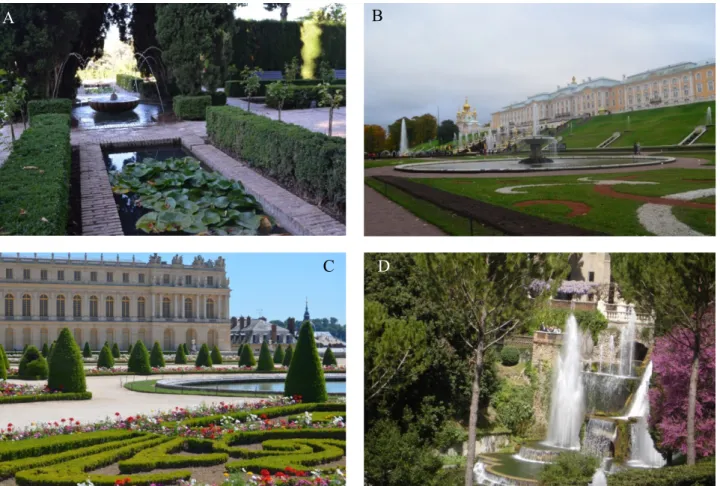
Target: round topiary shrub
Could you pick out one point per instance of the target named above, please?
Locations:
(115, 351)
(329, 357)
(279, 355)
(203, 357)
(509, 356)
(105, 358)
(139, 361)
(247, 358)
(157, 358)
(87, 353)
(216, 356)
(265, 362)
(45, 350)
(32, 365)
(67, 372)
(305, 376)
(288, 355)
(180, 357)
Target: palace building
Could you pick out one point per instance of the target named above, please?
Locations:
(677, 84)
(115, 301)
(466, 119)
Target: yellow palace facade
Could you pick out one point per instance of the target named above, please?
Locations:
(677, 84)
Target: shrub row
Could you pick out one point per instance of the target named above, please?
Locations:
(324, 451)
(234, 88)
(161, 457)
(35, 189)
(311, 162)
(303, 96)
(701, 474)
(49, 397)
(58, 443)
(254, 436)
(59, 106)
(270, 412)
(191, 107)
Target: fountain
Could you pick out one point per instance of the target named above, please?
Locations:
(708, 117)
(627, 346)
(536, 142)
(642, 452)
(599, 437)
(599, 478)
(566, 415)
(114, 103)
(611, 349)
(403, 139)
(627, 129)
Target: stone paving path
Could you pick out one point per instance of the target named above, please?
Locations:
(315, 119)
(385, 218)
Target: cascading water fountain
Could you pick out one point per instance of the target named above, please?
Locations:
(599, 435)
(642, 452)
(627, 346)
(599, 478)
(403, 138)
(568, 397)
(708, 117)
(611, 353)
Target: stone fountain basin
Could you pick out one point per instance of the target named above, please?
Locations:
(121, 104)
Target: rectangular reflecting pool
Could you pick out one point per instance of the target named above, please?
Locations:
(116, 159)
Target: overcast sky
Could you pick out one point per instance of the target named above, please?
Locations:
(422, 56)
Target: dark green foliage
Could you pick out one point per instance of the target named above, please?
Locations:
(279, 355)
(570, 469)
(333, 41)
(50, 353)
(701, 474)
(3, 369)
(180, 356)
(130, 346)
(246, 356)
(329, 357)
(4, 358)
(32, 365)
(139, 360)
(191, 107)
(185, 349)
(509, 356)
(288, 355)
(513, 405)
(218, 98)
(592, 321)
(234, 88)
(87, 353)
(48, 397)
(216, 356)
(310, 162)
(67, 372)
(303, 96)
(131, 83)
(446, 130)
(59, 106)
(105, 358)
(203, 357)
(265, 361)
(115, 351)
(45, 350)
(305, 377)
(28, 197)
(157, 358)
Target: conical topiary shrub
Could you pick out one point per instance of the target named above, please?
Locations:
(305, 376)
(87, 353)
(50, 353)
(247, 358)
(216, 356)
(157, 358)
(265, 362)
(3, 370)
(329, 357)
(129, 350)
(185, 348)
(45, 350)
(105, 358)
(139, 361)
(203, 357)
(180, 357)
(288, 355)
(115, 351)
(4, 357)
(279, 356)
(240, 350)
(67, 372)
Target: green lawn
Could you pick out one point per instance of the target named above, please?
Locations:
(446, 221)
(610, 215)
(702, 220)
(708, 136)
(661, 126)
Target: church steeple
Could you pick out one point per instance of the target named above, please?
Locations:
(306, 317)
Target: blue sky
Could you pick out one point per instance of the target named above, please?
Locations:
(422, 56)
(277, 283)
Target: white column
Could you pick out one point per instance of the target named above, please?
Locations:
(152, 309)
(197, 306)
(181, 313)
(101, 306)
(52, 305)
(203, 305)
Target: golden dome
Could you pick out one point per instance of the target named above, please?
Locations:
(466, 106)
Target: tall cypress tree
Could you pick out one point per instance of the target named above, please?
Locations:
(288, 355)
(305, 376)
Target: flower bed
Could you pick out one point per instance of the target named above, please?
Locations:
(18, 393)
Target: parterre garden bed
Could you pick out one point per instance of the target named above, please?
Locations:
(278, 440)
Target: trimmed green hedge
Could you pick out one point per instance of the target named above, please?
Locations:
(306, 454)
(265, 361)
(11, 450)
(157, 358)
(139, 360)
(105, 358)
(311, 162)
(303, 96)
(162, 456)
(144, 88)
(35, 201)
(270, 412)
(218, 99)
(33, 366)
(59, 106)
(329, 357)
(49, 397)
(701, 474)
(279, 354)
(191, 107)
(203, 357)
(288, 355)
(215, 356)
(234, 89)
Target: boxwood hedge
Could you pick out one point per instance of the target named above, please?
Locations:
(35, 189)
(191, 107)
(61, 106)
(701, 474)
(311, 162)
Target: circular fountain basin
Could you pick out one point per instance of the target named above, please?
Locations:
(123, 103)
(261, 384)
(540, 452)
(513, 164)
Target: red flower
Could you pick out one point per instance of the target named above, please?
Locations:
(265, 472)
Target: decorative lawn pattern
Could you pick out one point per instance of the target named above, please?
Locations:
(257, 438)
(702, 220)
(660, 126)
(607, 214)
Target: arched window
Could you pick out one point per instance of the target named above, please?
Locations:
(141, 307)
(77, 306)
(26, 305)
(188, 308)
(166, 307)
(43, 305)
(93, 306)
(109, 307)
(9, 305)
(60, 306)
(126, 306)
(168, 344)
(210, 309)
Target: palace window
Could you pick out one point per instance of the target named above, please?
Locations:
(210, 281)
(166, 279)
(675, 92)
(60, 306)
(9, 305)
(188, 279)
(26, 305)
(166, 307)
(77, 306)
(93, 306)
(109, 307)
(61, 275)
(685, 79)
(674, 81)
(126, 277)
(43, 305)
(686, 91)
(26, 274)
(141, 278)
(141, 307)
(93, 276)
(665, 82)
(699, 88)
(665, 93)
(697, 76)
(109, 277)
(77, 276)
(43, 274)
(709, 74)
(126, 306)
(8, 273)
(188, 308)
(711, 86)
(210, 309)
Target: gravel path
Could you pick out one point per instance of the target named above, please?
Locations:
(385, 218)
(659, 219)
